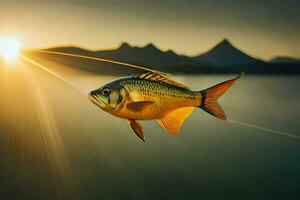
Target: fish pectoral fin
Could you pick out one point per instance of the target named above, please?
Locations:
(136, 128)
(139, 106)
(173, 121)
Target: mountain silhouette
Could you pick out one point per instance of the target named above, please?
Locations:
(148, 55)
(225, 54)
(284, 59)
(223, 58)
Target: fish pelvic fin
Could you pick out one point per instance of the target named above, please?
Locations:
(210, 96)
(136, 128)
(173, 121)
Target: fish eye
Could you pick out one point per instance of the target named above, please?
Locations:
(106, 91)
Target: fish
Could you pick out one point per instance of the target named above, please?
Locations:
(155, 96)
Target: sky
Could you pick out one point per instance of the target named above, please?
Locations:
(260, 28)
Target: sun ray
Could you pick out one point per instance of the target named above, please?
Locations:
(99, 59)
(51, 138)
(52, 73)
(282, 133)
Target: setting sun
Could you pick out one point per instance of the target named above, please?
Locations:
(9, 48)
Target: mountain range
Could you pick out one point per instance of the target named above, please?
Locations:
(284, 59)
(222, 58)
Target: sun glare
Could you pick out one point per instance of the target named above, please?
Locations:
(9, 48)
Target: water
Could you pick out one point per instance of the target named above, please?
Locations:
(55, 144)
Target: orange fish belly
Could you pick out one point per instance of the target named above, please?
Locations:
(160, 107)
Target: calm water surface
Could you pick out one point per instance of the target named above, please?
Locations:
(55, 144)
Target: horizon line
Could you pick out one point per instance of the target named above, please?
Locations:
(160, 49)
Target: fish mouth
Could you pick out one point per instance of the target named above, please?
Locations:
(96, 100)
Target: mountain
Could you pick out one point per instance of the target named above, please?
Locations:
(225, 54)
(223, 58)
(284, 59)
(148, 55)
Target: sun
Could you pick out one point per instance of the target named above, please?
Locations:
(9, 48)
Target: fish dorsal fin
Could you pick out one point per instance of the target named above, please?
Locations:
(159, 78)
(173, 121)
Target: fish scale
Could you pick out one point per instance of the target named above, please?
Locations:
(162, 93)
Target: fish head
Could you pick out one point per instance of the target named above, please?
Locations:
(108, 97)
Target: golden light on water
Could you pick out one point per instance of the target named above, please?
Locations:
(9, 48)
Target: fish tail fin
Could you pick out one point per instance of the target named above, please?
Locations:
(210, 96)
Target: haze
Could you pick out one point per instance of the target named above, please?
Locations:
(264, 29)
